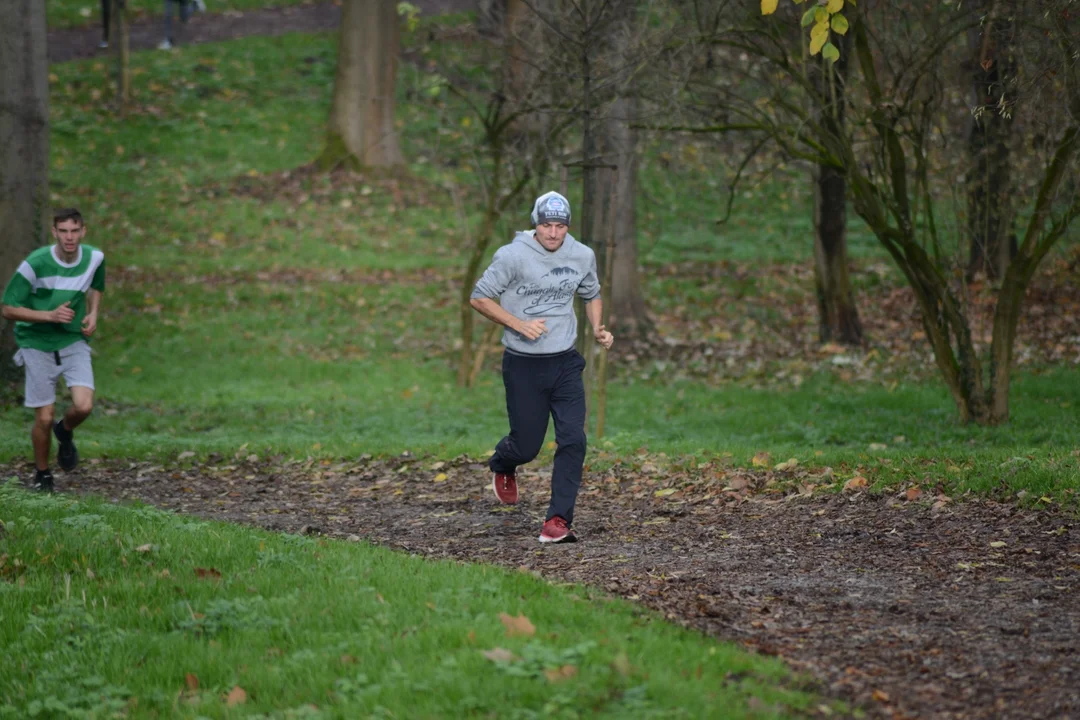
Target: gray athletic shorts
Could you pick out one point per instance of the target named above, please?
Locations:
(42, 371)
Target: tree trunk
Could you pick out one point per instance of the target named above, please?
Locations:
(838, 316)
(618, 145)
(361, 130)
(610, 196)
(24, 139)
(988, 181)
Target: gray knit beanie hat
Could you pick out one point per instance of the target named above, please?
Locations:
(551, 207)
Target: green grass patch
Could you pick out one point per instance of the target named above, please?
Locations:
(110, 610)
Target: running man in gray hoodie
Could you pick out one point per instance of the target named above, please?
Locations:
(535, 279)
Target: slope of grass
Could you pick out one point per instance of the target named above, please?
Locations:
(108, 611)
(286, 312)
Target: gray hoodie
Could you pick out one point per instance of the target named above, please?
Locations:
(532, 283)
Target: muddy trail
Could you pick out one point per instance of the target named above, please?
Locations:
(908, 606)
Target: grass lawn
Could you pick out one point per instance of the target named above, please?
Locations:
(305, 316)
(294, 321)
(108, 611)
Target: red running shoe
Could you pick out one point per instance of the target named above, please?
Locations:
(557, 530)
(505, 487)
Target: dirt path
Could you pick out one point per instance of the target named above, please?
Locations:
(963, 610)
(146, 32)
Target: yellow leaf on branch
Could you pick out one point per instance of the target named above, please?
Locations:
(768, 7)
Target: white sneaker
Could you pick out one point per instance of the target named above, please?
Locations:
(164, 45)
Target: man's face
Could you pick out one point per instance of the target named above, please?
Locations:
(551, 235)
(68, 234)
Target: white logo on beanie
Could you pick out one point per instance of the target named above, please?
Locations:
(551, 207)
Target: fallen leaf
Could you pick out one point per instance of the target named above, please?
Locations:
(997, 544)
(144, 548)
(880, 696)
(347, 659)
(621, 665)
(762, 459)
(519, 625)
(499, 655)
(856, 483)
(185, 455)
(665, 492)
(208, 573)
(438, 466)
(236, 696)
(559, 674)
(913, 494)
(738, 483)
(441, 477)
(192, 682)
(787, 466)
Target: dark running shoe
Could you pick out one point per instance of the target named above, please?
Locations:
(43, 481)
(505, 487)
(66, 455)
(557, 530)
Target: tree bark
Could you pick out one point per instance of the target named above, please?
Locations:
(618, 144)
(361, 130)
(838, 316)
(24, 139)
(612, 194)
(989, 180)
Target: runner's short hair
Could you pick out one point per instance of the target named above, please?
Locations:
(63, 214)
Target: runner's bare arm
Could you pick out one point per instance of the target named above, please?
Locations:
(62, 314)
(494, 312)
(594, 310)
(93, 302)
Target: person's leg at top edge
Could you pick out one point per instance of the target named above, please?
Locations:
(527, 410)
(167, 42)
(105, 19)
(568, 409)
